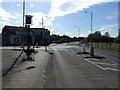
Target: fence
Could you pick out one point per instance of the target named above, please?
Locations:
(111, 46)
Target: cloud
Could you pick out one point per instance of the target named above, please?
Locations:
(7, 18)
(37, 19)
(26, 0)
(111, 17)
(107, 28)
(69, 34)
(2, 23)
(5, 14)
(58, 8)
(18, 21)
(31, 5)
(18, 5)
(64, 7)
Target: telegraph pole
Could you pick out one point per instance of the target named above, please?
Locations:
(23, 13)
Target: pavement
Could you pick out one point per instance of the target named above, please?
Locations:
(9, 56)
(29, 74)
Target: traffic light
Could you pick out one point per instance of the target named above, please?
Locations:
(28, 19)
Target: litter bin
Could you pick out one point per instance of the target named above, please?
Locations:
(91, 51)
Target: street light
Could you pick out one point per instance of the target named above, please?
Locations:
(78, 30)
(91, 19)
(43, 22)
(45, 39)
(91, 48)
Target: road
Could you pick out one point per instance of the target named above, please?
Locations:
(109, 54)
(71, 70)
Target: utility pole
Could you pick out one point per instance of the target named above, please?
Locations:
(23, 13)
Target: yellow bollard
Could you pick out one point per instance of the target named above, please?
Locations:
(91, 51)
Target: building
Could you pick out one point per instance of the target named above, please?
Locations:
(12, 35)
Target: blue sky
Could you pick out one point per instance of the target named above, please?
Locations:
(61, 17)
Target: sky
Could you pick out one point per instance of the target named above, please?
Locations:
(63, 17)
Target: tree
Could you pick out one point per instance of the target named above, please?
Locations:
(98, 33)
(117, 40)
(55, 37)
(107, 34)
(95, 37)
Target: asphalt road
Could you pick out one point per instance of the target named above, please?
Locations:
(73, 71)
(109, 54)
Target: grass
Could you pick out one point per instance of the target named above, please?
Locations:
(109, 46)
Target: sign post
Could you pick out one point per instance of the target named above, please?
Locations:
(27, 27)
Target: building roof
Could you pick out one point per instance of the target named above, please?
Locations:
(22, 28)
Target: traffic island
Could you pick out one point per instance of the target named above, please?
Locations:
(87, 55)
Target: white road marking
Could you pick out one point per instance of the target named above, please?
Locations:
(91, 62)
(96, 64)
(103, 63)
(112, 69)
(112, 61)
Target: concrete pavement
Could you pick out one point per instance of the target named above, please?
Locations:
(29, 74)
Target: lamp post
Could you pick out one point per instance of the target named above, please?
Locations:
(78, 31)
(45, 37)
(91, 48)
(91, 15)
(43, 22)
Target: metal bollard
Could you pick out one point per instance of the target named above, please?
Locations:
(91, 51)
(84, 48)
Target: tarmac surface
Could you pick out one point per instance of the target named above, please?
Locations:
(71, 70)
(29, 74)
(62, 67)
